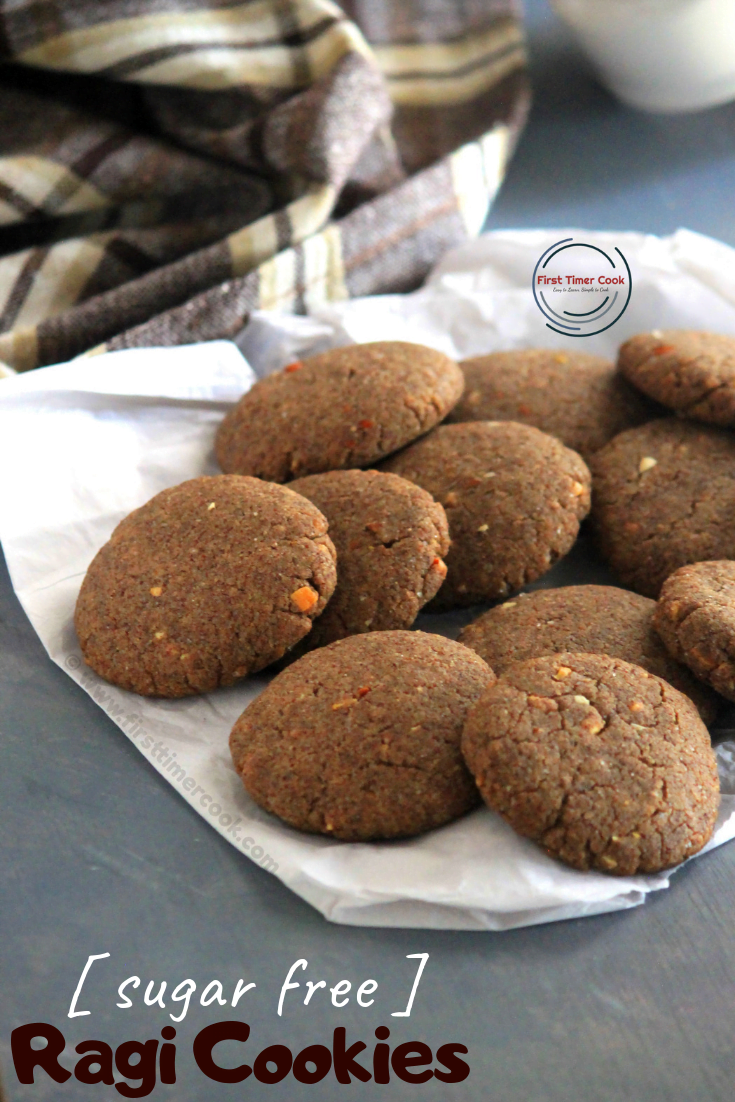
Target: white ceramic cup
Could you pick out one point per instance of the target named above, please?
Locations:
(659, 55)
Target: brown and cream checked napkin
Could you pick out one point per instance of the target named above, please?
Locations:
(167, 166)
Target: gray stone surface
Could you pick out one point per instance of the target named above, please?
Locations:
(627, 1006)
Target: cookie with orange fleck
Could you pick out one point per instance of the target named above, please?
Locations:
(580, 399)
(603, 764)
(207, 582)
(595, 619)
(695, 617)
(514, 498)
(390, 537)
(347, 407)
(664, 496)
(689, 371)
(360, 740)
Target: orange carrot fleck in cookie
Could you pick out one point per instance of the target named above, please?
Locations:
(295, 366)
(439, 567)
(304, 598)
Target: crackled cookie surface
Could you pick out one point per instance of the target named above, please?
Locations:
(690, 371)
(344, 408)
(207, 582)
(595, 619)
(360, 740)
(664, 496)
(695, 617)
(514, 498)
(603, 764)
(390, 537)
(580, 399)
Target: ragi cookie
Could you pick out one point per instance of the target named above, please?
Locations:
(580, 399)
(600, 762)
(595, 619)
(390, 537)
(695, 617)
(514, 497)
(360, 740)
(344, 408)
(207, 582)
(664, 496)
(689, 371)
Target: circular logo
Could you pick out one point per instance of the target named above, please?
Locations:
(580, 289)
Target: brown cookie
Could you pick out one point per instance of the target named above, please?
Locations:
(695, 617)
(582, 400)
(360, 740)
(602, 763)
(390, 537)
(664, 496)
(689, 371)
(595, 619)
(514, 497)
(209, 581)
(344, 408)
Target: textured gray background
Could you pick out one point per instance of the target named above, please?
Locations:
(628, 1006)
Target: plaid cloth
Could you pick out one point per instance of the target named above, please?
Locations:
(167, 166)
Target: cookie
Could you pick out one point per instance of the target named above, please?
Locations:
(390, 537)
(600, 762)
(360, 740)
(209, 581)
(695, 617)
(664, 496)
(514, 498)
(344, 408)
(580, 399)
(689, 371)
(596, 619)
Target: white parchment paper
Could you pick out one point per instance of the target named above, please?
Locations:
(84, 443)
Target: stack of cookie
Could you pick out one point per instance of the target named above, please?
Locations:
(591, 740)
